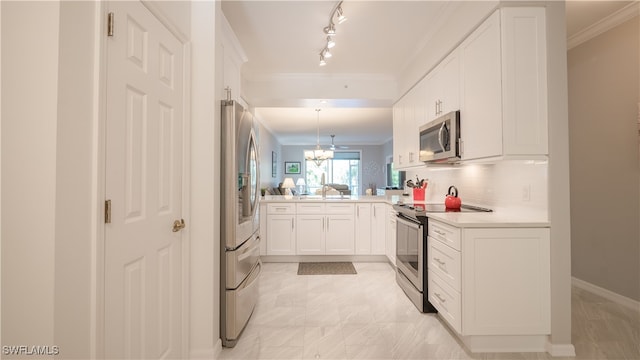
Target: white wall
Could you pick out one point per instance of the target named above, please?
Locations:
(29, 128)
(75, 187)
(268, 144)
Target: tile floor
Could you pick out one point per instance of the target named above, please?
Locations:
(367, 316)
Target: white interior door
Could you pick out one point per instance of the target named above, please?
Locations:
(144, 135)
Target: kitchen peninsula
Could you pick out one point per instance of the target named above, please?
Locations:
(488, 271)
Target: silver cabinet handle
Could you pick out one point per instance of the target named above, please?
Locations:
(292, 224)
(439, 232)
(439, 261)
(440, 297)
(323, 227)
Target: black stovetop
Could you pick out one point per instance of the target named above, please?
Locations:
(420, 210)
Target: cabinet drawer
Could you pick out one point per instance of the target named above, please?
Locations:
(445, 262)
(448, 234)
(288, 208)
(446, 300)
(310, 208)
(339, 209)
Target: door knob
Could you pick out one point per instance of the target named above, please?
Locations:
(178, 225)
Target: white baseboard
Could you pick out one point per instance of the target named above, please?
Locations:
(207, 354)
(561, 350)
(607, 294)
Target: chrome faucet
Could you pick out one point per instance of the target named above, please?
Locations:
(324, 187)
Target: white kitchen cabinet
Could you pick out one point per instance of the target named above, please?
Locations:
(233, 57)
(310, 234)
(490, 281)
(340, 235)
(391, 235)
(524, 85)
(405, 127)
(324, 228)
(506, 277)
(503, 97)
(281, 234)
(378, 228)
(263, 228)
(481, 91)
(443, 88)
(363, 229)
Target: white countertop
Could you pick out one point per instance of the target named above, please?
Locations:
(497, 218)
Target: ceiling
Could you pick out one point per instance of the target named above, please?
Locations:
(379, 40)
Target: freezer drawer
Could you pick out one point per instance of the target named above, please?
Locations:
(241, 261)
(240, 304)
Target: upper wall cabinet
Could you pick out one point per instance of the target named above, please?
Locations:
(442, 88)
(497, 79)
(233, 58)
(503, 105)
(524, 85)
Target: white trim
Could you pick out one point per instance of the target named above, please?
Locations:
(165, 20)
(227, 33)
(601, 26)
(186, 198)
(607, 294)
(561, 350)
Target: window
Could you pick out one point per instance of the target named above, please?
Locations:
(344, 168)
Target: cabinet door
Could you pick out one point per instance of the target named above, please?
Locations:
(525, 81)
(411, 135)
(448, 82)
(340, 235)
(398, 134)
(281, 235)
(378, 229)
(263, 229)
(481, 91)
(363, 229)
(391, 236)
(506, 281)
(310, 234)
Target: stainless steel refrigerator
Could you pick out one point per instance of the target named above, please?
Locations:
(239, 222)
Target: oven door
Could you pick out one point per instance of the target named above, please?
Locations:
(409, 250)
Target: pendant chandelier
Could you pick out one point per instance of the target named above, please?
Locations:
(318, 155)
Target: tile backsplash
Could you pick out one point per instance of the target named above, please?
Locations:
(509, 186)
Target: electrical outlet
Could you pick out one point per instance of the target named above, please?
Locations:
(526, 193)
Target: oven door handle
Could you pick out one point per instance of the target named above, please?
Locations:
(408, 221)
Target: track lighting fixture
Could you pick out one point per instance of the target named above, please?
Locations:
(330, 31)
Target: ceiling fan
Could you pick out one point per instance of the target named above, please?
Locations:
(333, 146)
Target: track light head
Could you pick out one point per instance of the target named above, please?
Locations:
(341, 17)
(322, 60)
(330, 42)
(330, 30)
(326, 53)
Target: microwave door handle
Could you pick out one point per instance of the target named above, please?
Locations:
(440, 136)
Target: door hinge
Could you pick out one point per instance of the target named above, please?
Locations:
(110, 24)
(107, 212)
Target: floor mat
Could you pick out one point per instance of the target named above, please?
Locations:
(326, 268)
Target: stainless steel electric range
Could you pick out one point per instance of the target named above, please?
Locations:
(411, 248)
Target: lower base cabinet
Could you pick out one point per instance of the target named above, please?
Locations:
(497, 282)
(281, 235)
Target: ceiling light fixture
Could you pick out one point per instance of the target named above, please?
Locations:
(318, 156)
(330, 31)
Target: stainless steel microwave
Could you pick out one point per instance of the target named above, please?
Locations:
(440, 139)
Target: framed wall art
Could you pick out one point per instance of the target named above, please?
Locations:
(274, 164)
(292, 167)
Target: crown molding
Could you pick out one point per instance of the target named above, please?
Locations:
(626, 13)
